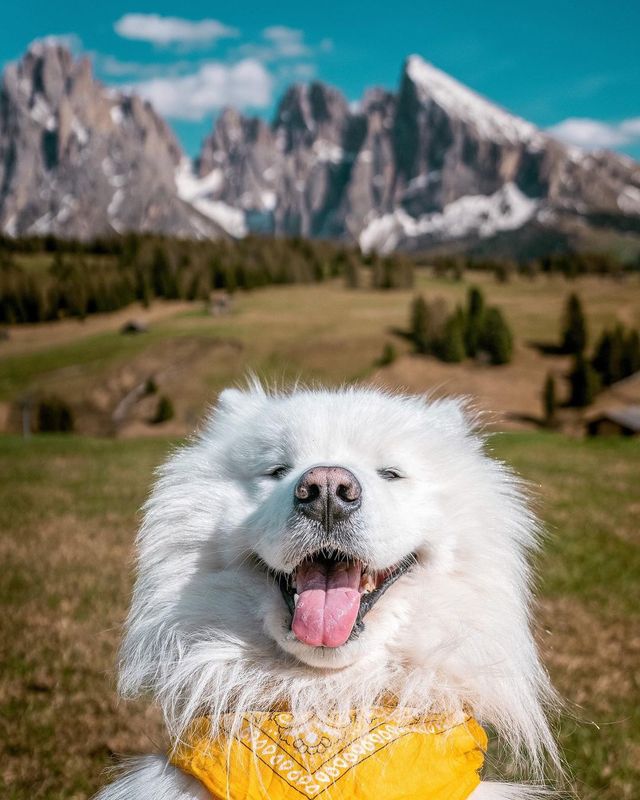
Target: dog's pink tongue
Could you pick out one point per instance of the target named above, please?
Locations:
(328, 603)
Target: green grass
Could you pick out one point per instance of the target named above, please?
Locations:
(589, 494)
(592, 540)
(67, 521)
(88, 354)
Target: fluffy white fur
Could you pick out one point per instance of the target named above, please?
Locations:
(208, 629)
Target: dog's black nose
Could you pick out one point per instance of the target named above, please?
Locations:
(328, 494)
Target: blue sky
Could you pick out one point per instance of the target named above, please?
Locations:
(574, 66)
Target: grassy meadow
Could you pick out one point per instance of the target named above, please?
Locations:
(324, 333)
(68, 505)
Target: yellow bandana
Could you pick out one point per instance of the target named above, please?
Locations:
(387, 753)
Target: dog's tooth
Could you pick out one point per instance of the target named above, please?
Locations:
(368, 584)
(296, 597)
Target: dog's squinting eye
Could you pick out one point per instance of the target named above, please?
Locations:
(278, 471)
(390, 474)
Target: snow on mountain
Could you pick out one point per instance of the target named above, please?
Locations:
(480, 215)
(433, 162)
(196, 191)
(491, 121)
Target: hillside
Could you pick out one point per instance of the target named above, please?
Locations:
(315, 332)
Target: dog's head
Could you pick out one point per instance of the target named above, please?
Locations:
(349, 539)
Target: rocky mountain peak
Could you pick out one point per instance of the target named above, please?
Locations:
(78, 160)
(432, 86)
(308, 112)
(431, 164)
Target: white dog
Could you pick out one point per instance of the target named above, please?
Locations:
(324, 550)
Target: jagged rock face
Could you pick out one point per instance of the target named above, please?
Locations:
(294, 176)
(79, 160)
(433, 162)
(238, 159)
(429, 164)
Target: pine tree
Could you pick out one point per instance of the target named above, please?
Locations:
(601, 360)
(631, 354)
(473, 321)
(351, 272)
(162, 277)
(584, 381)
(549, 400)
(419, 325)
(617, 353)
(574, 332)
(496, 338)
(451, 347)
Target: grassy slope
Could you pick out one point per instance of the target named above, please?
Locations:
(326, 333)
(67, 517)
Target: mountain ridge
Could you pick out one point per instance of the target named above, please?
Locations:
(431, 164)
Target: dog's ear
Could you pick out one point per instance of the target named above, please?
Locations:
(238, 400)
(234, 405)
(452, 415)
(234, 400)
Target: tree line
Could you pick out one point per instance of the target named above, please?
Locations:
(569, 264)
(105, 275)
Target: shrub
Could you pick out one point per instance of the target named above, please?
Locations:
(53, 415)
(389, 355)
(164, 410)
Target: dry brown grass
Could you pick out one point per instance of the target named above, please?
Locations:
(68, 516)
(68, 509)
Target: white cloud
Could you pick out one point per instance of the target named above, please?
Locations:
(286, 42)
(115, 68)
(280, 43)
(246, 84)
(631, 128)
(299, 72)
(591, 134)
(172, 30)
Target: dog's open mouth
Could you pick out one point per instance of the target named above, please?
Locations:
(329, 594)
